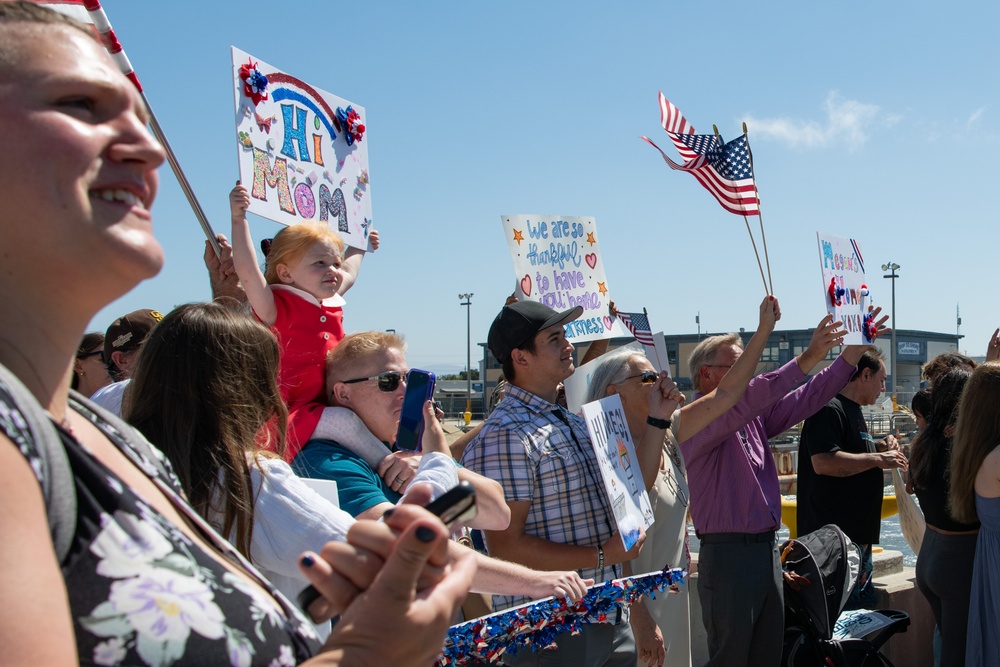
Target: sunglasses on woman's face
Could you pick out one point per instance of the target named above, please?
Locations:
(91, 354)
(647, 377)
(387, 381)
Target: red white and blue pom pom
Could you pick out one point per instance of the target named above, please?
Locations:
(350, 121)
(254, 82)
(536, 625)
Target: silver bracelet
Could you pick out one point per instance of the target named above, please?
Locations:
(600, 557)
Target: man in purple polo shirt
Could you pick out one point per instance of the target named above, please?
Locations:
(735, 500)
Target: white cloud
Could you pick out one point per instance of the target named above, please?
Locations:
(847, 122)
(975, 117)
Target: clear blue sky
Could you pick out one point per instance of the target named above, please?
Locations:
(877, 121)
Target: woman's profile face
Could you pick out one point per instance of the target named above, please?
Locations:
(634, 394)
(78, 174)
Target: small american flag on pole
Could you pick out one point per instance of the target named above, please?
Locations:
(90, 11)
(725, 170)
(638, 324)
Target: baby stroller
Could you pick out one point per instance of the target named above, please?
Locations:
(821, 569)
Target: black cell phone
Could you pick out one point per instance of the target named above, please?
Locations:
(419, 390)
(457, 505)
(453, 506)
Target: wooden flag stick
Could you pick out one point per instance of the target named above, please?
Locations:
(100, 20)
(655, 352)
(175, 166)
(760, 216)
(752, 242)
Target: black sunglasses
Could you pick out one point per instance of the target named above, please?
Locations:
(647, 377)
(91, 354)
(387, 381)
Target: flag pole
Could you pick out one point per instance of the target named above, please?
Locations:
(760, 216)
(655, 352)
(114, 47)
(182, 179)
(752, 242)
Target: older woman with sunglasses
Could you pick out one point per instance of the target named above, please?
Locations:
(662, 626)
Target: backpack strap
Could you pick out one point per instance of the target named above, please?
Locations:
(58, 487)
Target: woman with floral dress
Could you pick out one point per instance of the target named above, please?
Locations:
(139, 579)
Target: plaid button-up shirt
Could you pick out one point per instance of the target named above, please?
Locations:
(542, 454)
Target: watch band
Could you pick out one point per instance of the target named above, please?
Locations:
(658, 423)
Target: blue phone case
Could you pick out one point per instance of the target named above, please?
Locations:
(419, 390)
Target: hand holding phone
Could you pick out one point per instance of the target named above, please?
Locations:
(458, 505)
(419, 390)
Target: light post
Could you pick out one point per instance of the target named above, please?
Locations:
(468, 353)
(892, 267)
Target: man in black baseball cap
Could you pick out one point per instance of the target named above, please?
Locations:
(516, 326)
(542, 456)
(122, 343)
(124, 337)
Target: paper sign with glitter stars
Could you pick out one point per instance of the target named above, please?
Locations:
(845, 291)
(557, 261)
(303, 152)
(619, 467)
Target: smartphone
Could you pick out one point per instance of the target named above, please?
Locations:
(453, 506)
(419, 390)
(457, 505)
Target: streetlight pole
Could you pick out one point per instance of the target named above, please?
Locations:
(893, 267)
(468, 353)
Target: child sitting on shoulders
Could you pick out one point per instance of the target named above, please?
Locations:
(299, 296)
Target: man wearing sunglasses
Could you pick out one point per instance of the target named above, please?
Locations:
(734, 494)
(366, 373)
(543, 457)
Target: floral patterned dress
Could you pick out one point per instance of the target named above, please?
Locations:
(140, 591)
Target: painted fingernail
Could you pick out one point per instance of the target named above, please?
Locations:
(425, 534)
(387, 514)
(307, 560)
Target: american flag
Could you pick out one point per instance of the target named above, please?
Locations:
(725, 170)
(90, 11)
(638, 324)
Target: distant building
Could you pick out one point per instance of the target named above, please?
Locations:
(913, 349)
(453, 395)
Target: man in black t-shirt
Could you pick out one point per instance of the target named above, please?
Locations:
(840, 468)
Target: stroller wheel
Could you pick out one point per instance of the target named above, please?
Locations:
(799, 649)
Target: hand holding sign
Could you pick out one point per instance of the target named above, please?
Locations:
(852, 353)
(844, 290)
(828, 334)
(303, 152)
(616, 460)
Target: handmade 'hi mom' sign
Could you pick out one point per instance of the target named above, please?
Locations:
(557, 262)
(303, 152)
(844, 289)
(619, 466)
